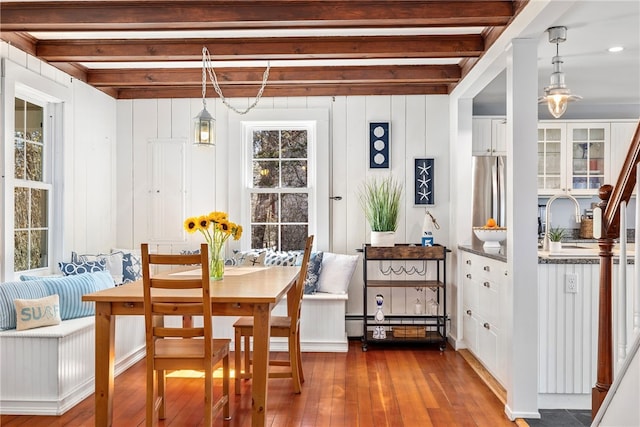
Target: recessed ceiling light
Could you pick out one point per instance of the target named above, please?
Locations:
(616, 49)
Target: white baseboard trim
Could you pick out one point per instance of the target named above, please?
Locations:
(340, 346)
(564, 401)
(516, 414)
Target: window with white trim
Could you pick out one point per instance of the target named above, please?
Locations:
(32, 188)
(280, 184)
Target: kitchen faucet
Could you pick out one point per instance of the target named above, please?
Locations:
(545, 241)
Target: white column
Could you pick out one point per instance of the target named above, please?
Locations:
(522, 255)
(459, 222)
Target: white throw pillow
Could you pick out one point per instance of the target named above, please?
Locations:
(336, 272)
(113, 264)
(34, 313)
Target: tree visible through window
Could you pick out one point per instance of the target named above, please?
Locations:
(31, 191)
(280, 189)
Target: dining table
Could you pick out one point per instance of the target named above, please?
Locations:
(243, 291)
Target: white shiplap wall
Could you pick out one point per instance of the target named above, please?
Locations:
(85, 201)
(568, 333)
(106, 173)
(419, 128)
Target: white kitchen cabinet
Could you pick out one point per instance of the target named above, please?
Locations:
(483, 296)
(489, 136)
(573, 157)
(621, 134)
(589, 154)
(551, 158)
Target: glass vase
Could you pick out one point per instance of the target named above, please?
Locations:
(216, 260)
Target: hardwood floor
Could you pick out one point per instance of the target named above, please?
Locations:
(407, 386)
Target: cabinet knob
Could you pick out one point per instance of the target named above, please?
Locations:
(486, 284)
(469, 312)
(487, 326)
(486, 268)
(506, 273)
(468, 275)
(468, 262)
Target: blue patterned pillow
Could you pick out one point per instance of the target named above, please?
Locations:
(190, 252)
(72, 268)
(313, 273)
(9, 291)
(131, 268)
(282, 258)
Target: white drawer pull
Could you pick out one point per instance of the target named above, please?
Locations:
(487, 326)
(487, 284)
(486, 268)
(469, 312)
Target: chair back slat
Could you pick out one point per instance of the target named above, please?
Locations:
(161, 332)
(296, 307)
(176, 283)
(170, 259)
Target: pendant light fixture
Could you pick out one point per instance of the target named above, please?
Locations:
(204, 125)
(557, 95)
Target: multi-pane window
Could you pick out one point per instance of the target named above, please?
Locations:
(279, 190)
(32, 188)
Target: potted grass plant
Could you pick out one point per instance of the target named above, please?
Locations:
(380, 200)
(555, 239)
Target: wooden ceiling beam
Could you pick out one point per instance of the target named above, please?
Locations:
(22, 41)
(429, 46)
(283, 91)
(218, 14)
(433, 74)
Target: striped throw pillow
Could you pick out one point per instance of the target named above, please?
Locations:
(9, 292)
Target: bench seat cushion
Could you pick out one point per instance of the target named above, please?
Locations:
(60, 330)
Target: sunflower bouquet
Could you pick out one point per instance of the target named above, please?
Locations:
(216, 229)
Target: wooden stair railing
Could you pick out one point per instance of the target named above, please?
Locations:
(611, 198)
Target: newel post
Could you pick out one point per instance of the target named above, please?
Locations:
(605, 323)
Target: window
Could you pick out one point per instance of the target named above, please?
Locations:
(279, 189)
(32, 188)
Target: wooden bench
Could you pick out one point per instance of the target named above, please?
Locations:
(322, 324)
(48, 370)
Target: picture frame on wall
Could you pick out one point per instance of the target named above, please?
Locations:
(379, 141)
(424, 186)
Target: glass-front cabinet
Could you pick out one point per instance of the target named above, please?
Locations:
(572, 156)
(551, 158)
(589, 145)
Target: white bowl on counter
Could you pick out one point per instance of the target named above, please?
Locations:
(490, 236)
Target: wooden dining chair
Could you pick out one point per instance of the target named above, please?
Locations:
(183, 347)
(281, 326)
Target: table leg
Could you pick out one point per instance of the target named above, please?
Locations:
(104, 359)
(261, 333)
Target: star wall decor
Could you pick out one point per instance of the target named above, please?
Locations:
(424, 177)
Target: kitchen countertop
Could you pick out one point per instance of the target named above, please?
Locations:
(574, 252)
(477, 249)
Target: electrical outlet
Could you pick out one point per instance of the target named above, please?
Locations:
(571, 283)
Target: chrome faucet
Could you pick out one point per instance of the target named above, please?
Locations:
(545, 241)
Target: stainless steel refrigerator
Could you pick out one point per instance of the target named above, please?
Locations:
(489, 189)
